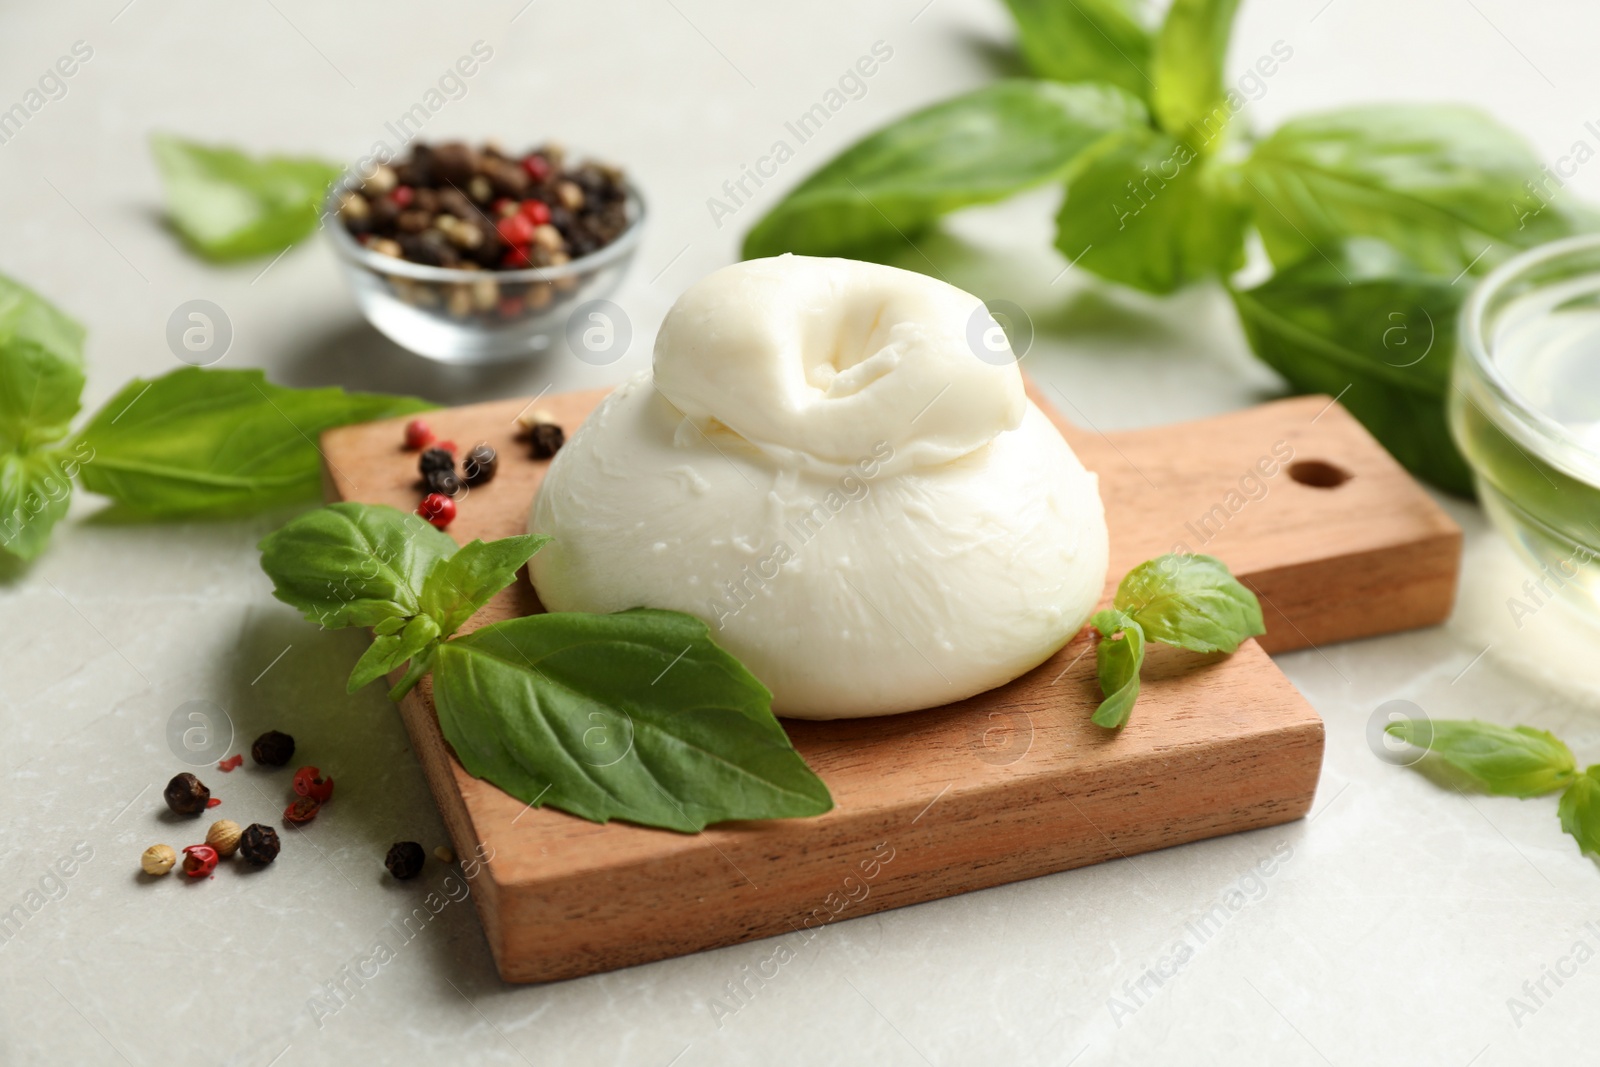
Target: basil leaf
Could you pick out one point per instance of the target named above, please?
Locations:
(1085, 41)
(1443, 184)
(41, 381)
(39, 391)
(41, 368)
(392, 625)
(636, 716)
(1188, 601)
(27, 316)
(1189, 53)
(465, 582)
(1580, 811)
(218, 442)
(1109, 620)
(389, 651)
(974, 149)
(227, 205)
(1147, 211)
(35, 491)
(1191, 601)
(351, 564)
(1509, 761)
(1117, 660)
(1379, 334)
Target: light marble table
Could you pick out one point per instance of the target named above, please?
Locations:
(1395, 924)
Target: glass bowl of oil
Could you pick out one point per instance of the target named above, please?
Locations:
(1525, 408)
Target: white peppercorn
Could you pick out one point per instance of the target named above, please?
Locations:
(158, 860)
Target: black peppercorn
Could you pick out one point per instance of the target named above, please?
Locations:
(186, 794)
(454, 162)
(446, 482)
(546, 440)
(273, 749)
(259, 844)
(405, 859)
(429, 246)
(435, 459)
(480, 465)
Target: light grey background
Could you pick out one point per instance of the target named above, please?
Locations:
(1395, 931)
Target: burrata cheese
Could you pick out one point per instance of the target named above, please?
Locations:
(860, 501)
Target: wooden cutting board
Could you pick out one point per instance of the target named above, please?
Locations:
(1337, 539)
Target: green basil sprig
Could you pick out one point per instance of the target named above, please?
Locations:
(637, 715)
(1514, 761)
(353, 564)
(228, 206)
(193, 443)
(1154, 200)
(1188, 601)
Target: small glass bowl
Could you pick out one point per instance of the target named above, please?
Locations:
(1525, 409)
(477, 316)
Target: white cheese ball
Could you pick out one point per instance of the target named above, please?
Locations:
(869, 516)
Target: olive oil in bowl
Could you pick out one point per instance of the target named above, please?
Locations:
(1525, 410)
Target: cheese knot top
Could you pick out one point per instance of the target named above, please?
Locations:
(818, 361)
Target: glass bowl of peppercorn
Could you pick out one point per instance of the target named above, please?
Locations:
(476, 255)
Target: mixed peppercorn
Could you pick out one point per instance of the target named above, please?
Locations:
(405, 859)
(186, 794)
(158, 860)
(272, 749)
(199, 860)
(224, 836)
(543, 434)
(484, 209)
(258, 844)
(444, 484)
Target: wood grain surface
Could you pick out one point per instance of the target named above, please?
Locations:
(1010, 784)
